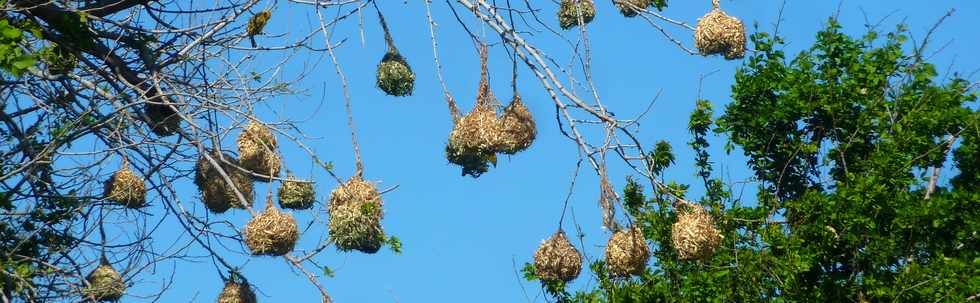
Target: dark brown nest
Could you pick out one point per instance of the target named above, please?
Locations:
(259, 151)
(164, 120)
(557, 260)
(627, 253)
(236, 293)
(355, 216)
(217, 195)
(296, 194)
(517, 128)
(272, 233)
(631, 8)
(719, 33)
(694, 235)
(105, 284)
(570, 10)
(126, 188)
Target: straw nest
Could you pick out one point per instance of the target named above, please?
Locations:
(355, 217)
(694, 235)
(105, 283)
(395, 76)
(719, 33)
(126, 188)
(631, 8)
(259, 151)
(627, 253)
(164, 120)
(557, 260)
(570, 10)
(296, 194)
(218, 196)
(474, 139)
(272, 233)
(236, 293)
(517, 128)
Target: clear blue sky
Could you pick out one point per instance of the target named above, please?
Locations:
(465, 239)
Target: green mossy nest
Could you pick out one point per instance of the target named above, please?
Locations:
(570, 10)
(557, 259)
(355, 216)
(58, 59)
(517, 128)
(259, 152)
(164, 120)
(719, 33)
(395, 76)
(217, 195)
(236, 293)
(627, 253)
(126, 188)
(105, 284)
(694, 235)
(632, 8)
(296, 194)
(271, 233)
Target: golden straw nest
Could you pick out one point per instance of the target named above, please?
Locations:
(476, 136)
(631, 8)
(557, 260)
(355, 191)
(272, 232)
(627, 253)
(236, 293)
(126, 188)
(517, 128)
(259, 151)
(694, 235)
(217, 195)
(164, 120)
(719, 33)
(105, 284)
(570, 10)
(356, 226)
(296, 194)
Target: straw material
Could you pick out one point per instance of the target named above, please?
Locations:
(631, 8)
(356, 226)
(570, 10)
(694, 235)
(105, 284)
(557, 260)
(395, 76)
(627, 253)
(126, 188)
(164, 121)
(355, 191)
(236, 293)
(517, 128)
(719, 33)
(473, 141)
(296, 194)
(259, 151)
(217, 195)
(272, 233)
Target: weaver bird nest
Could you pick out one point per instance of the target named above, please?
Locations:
(557, 260)
(395, 76)
(105, 283)
(474, 140)
(164, 120)
(719, 33)
(694, 235)
(236, 293)
(217, 194)
(570, 10)
(355, 217)
(126, 188)
(517, 128)
(259, 151)
(627, 253)
(296, 194)
(631, 8)
(272, 233)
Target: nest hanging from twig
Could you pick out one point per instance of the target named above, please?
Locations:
(126, 188)
(105, 283)
(236, 293)
(719, 33)
(259, 151)
(517, 128)
(272, 232)
(632, 8)
(476, 136)
(355, 216)
(164, 120)
(557, 259)
(217, 195)
(395, 76)
(627, 253)
(296, 194)
(570, 10)
(694, 235)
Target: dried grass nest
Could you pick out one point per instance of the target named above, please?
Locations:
(694, 235)
(719, 33)
(259, 151)
(296, 194)
(632, 8)
(217, 195)
(570, 10)
(355, 216)
(474, 140)
(105, 283)
(126, 188)
(271, 233)
(627, 253)
(395, 76)
(236, 293)
(164, 120)
(557, 259)
(517, 128)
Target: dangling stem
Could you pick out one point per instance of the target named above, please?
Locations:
(715, 4)
(384, 26)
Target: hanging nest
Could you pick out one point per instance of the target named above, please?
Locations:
(631, 8)
(58, 59)
(395, 76)
(570, 10)
(126, 188)
(627, 253)
(272, 233)
(217, 195)
(236, 293)
(557, 260)
(296, 194)
(355, 216)
(259, 151)
(694, 235)
(719, 33)
(105, 283)
(474, 140)
(164, 120)
(517, 128)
